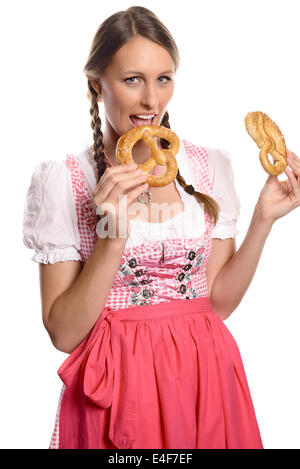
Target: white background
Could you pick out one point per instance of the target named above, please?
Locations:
(236, 57)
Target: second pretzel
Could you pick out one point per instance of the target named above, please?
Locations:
(158, 156)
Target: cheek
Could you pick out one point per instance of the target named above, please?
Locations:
(117, 99)
(167, 94)
(124, 97)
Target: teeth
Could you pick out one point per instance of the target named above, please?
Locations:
(145, 117)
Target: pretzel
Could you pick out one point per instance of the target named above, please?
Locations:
(269, 139)
(158, 156)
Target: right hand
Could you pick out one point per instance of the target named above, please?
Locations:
(118, 187)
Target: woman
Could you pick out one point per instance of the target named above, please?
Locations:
(147, 369)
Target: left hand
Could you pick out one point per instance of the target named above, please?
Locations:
(278, 198)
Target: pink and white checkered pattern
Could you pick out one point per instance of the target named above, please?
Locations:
(54, 443)
(150, 272)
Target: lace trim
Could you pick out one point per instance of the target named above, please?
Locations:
(224, 232)
(56, 255)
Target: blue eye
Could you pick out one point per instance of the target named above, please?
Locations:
(132, 78)
(168, 79)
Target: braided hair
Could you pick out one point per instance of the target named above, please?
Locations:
(114, 32)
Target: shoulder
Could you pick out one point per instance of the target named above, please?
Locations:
(211, 152)
(49, 217)
(82, 166)
(221, 177)
(50, 184)
(47, 176)
(214, 155)
(50, 169)
(77, 164)
(218, 156)
(194, 149)
(217, 159)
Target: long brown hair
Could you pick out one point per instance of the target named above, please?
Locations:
(111, 35)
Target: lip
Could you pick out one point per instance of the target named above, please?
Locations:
(152, 120)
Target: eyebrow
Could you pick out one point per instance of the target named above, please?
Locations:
(140, 73)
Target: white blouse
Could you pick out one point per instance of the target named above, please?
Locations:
(50, 218)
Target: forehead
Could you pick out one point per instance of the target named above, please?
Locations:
(142, 54)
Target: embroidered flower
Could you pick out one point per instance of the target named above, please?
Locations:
(138, 299)
(198, 261)
(128, 278)
(137, 292)
(188, 278)
(194, 292)
(125, 270)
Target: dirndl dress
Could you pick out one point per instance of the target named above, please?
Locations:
(159, 369)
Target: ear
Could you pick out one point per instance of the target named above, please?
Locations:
(97, 87)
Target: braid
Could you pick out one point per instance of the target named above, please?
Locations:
(97, 147)
(210, 205)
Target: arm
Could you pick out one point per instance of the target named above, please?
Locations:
(229, 283)
(74, 298)
(67, 291)
(229, 273)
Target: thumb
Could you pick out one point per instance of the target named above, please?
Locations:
(271, 179)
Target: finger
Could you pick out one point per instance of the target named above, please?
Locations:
(293, 157)
(292, 179)
(287, 185)
(271, 179)
(116, 185)
(133, 194)
(294, 164)
(123, 186)
(289, 152)
(114, 170)
(120, 168)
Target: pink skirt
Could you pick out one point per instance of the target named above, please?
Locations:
(169, 375)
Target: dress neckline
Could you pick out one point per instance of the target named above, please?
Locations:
(169, 220)
(183, 196)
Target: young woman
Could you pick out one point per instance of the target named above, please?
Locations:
(151, 364)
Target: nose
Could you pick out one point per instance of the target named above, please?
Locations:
(150, 96)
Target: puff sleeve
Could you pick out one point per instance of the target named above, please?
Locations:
(50, 219)
(223, 184)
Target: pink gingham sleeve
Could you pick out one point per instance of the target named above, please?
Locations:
(50, 219)
(224, 192)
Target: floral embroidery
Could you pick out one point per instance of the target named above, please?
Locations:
(199, 260)
(190, 290)
(194, 292)
(188, 278)
(149, 271)
(136, 287)
(129, 279)
(125, 270)
(137, 298)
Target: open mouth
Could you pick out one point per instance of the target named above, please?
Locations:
(138, 122)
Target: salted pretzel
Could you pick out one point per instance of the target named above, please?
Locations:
(158, 156)
(269, 139)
